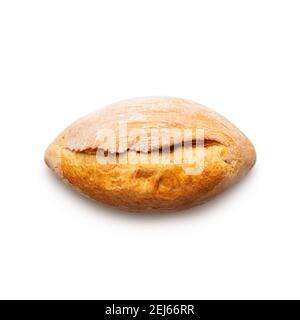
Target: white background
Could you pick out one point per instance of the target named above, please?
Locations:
(62, 59)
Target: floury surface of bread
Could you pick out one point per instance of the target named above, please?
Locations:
(140, 185)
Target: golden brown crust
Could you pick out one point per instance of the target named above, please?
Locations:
(228, 155)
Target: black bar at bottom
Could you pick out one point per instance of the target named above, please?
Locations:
(155, 309)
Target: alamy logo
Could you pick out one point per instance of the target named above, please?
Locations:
(152, 146)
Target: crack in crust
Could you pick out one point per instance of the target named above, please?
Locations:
(207, 144)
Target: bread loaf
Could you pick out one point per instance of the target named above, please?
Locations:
(155, 153)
